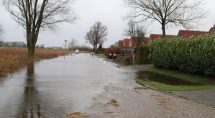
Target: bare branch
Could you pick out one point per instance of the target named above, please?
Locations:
(166, 12)
(34, 15)
(136, 31)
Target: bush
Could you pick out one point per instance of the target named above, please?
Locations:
(144, 54)
(194, 54)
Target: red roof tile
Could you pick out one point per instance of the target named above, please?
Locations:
(134, 42)
(189, 33)
(126, 43)
(155, 36)
(158, 36)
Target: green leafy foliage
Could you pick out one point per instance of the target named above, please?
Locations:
(144, 54)
(194, 54)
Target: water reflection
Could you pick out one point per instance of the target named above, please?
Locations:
(31, 107)
(56, 87)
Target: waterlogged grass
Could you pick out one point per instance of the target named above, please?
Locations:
(199, 82)
(11, 59)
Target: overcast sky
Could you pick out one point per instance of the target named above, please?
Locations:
(110, 12)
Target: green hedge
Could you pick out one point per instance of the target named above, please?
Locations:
(194, 54)
(144, 54)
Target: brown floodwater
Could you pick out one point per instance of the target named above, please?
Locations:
(57, 87)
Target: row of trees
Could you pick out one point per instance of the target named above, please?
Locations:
(12, 44)
(18, 44)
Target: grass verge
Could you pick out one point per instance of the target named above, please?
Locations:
(206, 83)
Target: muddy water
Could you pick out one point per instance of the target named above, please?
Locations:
(54, 88)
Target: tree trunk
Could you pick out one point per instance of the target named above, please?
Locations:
(31, 38)
(31, 52)
(164, 30)
(95, 48)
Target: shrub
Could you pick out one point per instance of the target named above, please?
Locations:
(194, 54)
(144, 54)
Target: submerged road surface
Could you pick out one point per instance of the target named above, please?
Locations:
(66, 87)
(57, 87)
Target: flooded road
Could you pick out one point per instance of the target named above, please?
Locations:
(81, 85)
(57, 87)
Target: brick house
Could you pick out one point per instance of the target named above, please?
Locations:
(153, 37)
(147, 40)
(128, 45)
(181, 33)
(190, 33)
(120, 43)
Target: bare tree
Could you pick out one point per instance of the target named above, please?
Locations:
(136, 31)
(131, 31)
(34, 15)
(72, 44)
(97, 35)
(166, 12)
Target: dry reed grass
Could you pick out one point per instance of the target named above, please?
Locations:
(12, 59)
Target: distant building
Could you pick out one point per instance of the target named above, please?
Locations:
(181, 33)
(120, 43)
(135, 42)
(128, 45)
(13, 44)
(147, 40)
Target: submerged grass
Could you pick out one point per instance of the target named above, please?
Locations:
(12, 59)
(206, 83)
